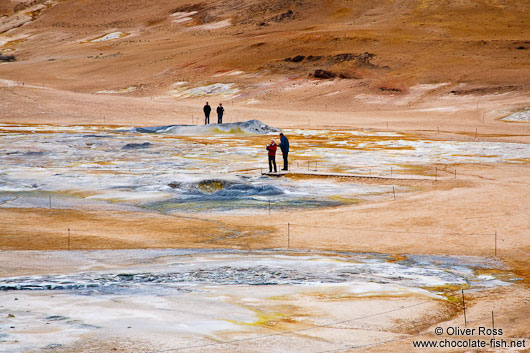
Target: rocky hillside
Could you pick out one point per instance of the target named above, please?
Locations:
(146, 47)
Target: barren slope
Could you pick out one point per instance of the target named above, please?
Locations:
(377, 47)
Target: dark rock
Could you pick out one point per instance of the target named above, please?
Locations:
(55, 318)
(346, 75)
(295, 59)
(484, 90)
(324, 74)
(522, 48)
(343, 57)
(288, 15)
(390, 89)
(174, 185)
(134, 146)
(364, 59)
(7, 58)
(257, 45)
(313, 58)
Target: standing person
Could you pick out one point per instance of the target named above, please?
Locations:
(284, 146)
(272, 155)
(207, 109)
(220, 112)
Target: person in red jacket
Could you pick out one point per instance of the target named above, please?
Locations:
(272, 155)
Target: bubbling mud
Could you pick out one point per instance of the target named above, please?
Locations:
(181, 297)
(182, 270)
(215, 167)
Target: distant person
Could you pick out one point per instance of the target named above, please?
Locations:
(207, 109)
(220, 112)
(284, 146)
(272, 155)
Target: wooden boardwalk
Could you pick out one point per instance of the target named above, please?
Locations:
(359, 177)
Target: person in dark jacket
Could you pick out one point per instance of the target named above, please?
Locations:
(220, 112)
(284, 146)
(272, 155)
(207, 109)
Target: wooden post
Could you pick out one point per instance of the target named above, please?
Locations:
(68, 238)
(269, 206)
(394, 191)
(464, 305)
(50, 200)
(288, 235)
(455, 173)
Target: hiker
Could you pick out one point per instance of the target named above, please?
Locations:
(284, 146)
(220, 112)
(207, 109)
(272, 155)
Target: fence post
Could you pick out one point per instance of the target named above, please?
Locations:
(288, 235)
(464, 305)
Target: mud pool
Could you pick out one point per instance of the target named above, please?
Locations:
(206, 294)
(214, 168)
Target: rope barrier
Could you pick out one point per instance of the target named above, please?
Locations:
(292, 331)
(385, 231)
(402, 339)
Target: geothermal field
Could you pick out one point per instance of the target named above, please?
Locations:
(128, 225)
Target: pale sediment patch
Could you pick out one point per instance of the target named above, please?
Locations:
(215, 89)
(229, 73)
(120, 90)
(8, 44)
(211, 26)
(107, 37)
(182, 17)
(522, 116)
